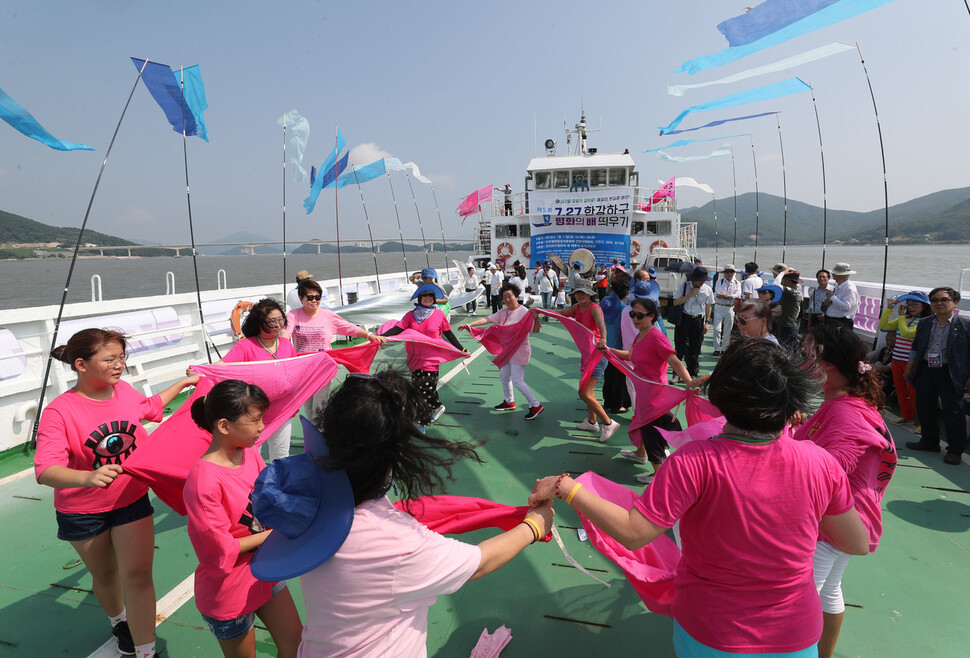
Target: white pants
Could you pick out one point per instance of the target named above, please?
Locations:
(723, 324)
(828, 566)
(278, 442)
(512, 373)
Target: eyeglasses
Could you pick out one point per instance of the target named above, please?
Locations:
(111, 363)
(313, 298)
(941, 300)
(639, 316)
(277, 322)
(743, 321)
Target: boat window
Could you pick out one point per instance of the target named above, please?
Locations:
(560, 179)
(618, 176)
(666, 262)
(658, 228)
(543, 180)
(637, 228)
(580, 176)
(597, 178)
(506, 230)
(525, 231)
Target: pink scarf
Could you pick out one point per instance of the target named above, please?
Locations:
(503, 340)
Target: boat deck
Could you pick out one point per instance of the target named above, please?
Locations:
(904, 600)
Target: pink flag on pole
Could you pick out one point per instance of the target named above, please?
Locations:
(666, 190)
(470, 205)
(503, 340)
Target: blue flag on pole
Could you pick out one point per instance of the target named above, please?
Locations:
(773, 22)
(326, 169)
(22, 121)
(685, 142)
(766, 92)
(720, 122)
(369, 172)
(184, 111)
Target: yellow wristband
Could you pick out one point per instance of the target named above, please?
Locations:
(569, 496)
(535, 528)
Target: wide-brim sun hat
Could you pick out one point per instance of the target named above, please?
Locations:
(729, 268)
(584, 287)
(646, 290)
(793, 275)
(651, 271)
(916, 296)
(774, 290)
(429, 272)
(778, 268)
(428, 288)
(310, 510)
(303, 274)
(699, 274)
(842, 269)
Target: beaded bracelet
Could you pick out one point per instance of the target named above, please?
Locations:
(569, 497)
(558, 482)
(535, 529)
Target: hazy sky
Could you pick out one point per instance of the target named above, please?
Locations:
(454, 87)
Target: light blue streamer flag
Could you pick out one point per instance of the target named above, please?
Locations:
(369, 172)
(297, 135)
(766, 92)
(21, 120)
(724, 150)
(720, 122)
(685, 142)
(184, 111)
(328, 168)
(773, 22)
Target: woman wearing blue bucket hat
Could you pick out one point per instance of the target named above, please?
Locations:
(913, 307)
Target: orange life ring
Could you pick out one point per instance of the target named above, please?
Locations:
(235, 321)
(634, 248)
(505, 250)
(656, 243)
(526, 249)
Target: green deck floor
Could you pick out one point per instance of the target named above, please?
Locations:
(907, 599)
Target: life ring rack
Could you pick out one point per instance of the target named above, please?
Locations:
(658, 243)
(235, 320)
(505, 250)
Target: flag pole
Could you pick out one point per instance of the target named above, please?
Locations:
(188, 200)
(734, 175)
(714, 205)
(336, 211)
(784, 187)
(427, 258)
(821, 155)
(284, 209)
(32, 443)
(885, 184)
(373, 249)
(404, 253)
(757, 209)
(444, 243)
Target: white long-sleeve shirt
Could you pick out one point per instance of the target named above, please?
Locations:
(845, 301)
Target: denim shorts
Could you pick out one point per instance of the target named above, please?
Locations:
(231, 629)
(600, 368)
(78, 527)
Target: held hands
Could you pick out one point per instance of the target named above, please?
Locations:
(543, 515)
(374, 338)
(104, 476)
(192, 378)
(545, 489)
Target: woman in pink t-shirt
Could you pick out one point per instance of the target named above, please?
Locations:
(223, 530)
(513, 372)
(262, 330)
(428, 319)
(84, 438)
(651, 353)
(312, 328)
(849, 427)
(750, 503)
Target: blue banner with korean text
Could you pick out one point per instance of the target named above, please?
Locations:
(598, 220)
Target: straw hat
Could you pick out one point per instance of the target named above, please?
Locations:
(842, 269)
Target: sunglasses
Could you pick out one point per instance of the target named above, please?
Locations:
(941, 300)
(639, 316)
(278, 322)
(313, 298)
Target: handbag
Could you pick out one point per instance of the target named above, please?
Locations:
(674, 313)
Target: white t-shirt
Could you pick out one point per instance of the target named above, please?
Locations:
(496, 282)
(545, 281)
(371, 598)
(471, 281)
(749, 285)
(519, 283)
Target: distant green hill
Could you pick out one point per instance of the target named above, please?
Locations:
(18, 229)
(939, 217)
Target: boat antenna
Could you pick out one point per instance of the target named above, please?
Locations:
(784, 187)
(757, 209)
(821, 155)
(188, 200)
(32, 443)
(885, 184)
(397, 214)
(377, 272)
(424, 241)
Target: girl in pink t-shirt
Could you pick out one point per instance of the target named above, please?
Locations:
(651, 353)
(849, 427)
(84, 438)
(750, 503)
(224, 533)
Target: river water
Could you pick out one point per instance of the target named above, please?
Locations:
(41, 282)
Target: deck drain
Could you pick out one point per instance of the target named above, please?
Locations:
(445, 425)
(480, 384)
(459, 413)
(963, 491)
(580, 452)
(925, 468)
(578, 621)
(8, 643)
(468, 401)
(25, 497)
(475, 392)
(512, 432)
(569, 566)
(72, 589)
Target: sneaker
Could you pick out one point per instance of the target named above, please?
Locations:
(717, 352)
(437, 413)
(505, 406)
(608, 431)
(953, 458)
(633, 456)
(645, 479)
(586, 426)
(901, 421)
(121, 632)
(534, 411)
(918, 430)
